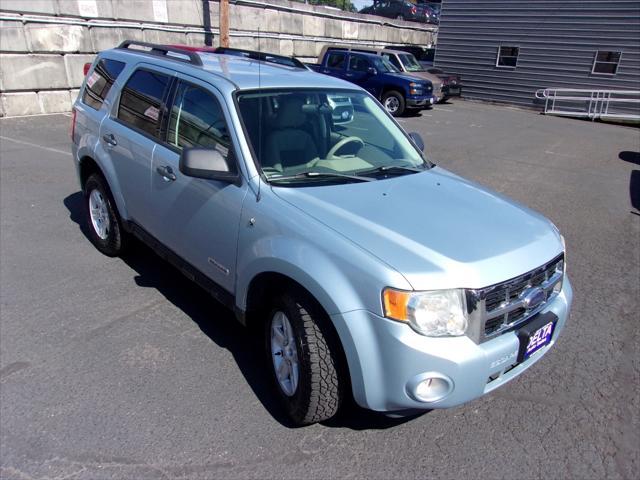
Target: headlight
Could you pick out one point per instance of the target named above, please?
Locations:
(435, 313)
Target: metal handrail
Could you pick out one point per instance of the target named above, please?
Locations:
(597, 103)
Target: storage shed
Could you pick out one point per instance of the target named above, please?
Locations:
(505, 50)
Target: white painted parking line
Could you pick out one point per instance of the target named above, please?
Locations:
(440, 109)
(29, 144)
(549, 152)
(35, 115)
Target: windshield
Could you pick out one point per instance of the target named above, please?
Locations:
(333, 134)
(384, 65)
(410, 63)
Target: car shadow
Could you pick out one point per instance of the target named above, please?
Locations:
(219, 324)
(634, 179)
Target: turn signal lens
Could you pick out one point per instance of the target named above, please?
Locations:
(395, 304)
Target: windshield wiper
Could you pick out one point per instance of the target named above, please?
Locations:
(320, 175)
(392, 169)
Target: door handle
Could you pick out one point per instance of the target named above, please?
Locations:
(110, 139)
(166, 172)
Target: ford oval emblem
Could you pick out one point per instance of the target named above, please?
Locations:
(532, 297)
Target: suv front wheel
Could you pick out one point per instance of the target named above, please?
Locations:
(105, 226)
(393, 103)
(304, 359)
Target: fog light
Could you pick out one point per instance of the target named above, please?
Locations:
(430, 387)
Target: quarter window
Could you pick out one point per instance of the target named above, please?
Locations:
(99, 82)
(508, 57)
(142, 100)
(197, 120)
(606, 63)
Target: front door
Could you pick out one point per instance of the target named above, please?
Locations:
(197, 218)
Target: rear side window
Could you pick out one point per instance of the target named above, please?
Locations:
(100, 81)
(197, 120)
(335, 60)
(142, 100)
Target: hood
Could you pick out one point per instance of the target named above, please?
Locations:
(435, 228)
(434, 79)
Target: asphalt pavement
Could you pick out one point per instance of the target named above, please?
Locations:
(122, 368)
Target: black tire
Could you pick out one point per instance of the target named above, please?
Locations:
(389, 97)
(320, 386)
(116, 239)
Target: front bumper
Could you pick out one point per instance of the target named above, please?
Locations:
(386, 357)
(451, 91)
(421, 102)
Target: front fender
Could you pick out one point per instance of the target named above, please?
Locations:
(306, 265)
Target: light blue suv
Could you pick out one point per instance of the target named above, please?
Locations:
(368, 270)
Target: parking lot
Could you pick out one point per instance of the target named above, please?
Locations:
(122, 368)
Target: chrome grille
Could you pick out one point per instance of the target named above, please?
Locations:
(502, 307)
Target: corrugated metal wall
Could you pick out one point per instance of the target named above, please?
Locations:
(558, 41)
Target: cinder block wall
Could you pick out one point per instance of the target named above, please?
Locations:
(44, 43)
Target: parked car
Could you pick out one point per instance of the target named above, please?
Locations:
(451, 82)
(366, 269)
(399, 9)
(406, 67)
(396, 91)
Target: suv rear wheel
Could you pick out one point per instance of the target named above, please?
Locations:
(394, 103)
(105, 226)
(304, 358)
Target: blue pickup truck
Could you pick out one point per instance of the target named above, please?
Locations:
(396, 91)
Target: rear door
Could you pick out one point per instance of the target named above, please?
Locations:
(130, 135)
(197, 218)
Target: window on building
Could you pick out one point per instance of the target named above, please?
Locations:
(141, 101)
(100, 81)
(606, 63)
(508, 57)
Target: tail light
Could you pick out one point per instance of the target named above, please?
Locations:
(86, 68)
(72, 129)
(413, 10)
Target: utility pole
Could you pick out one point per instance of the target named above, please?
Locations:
(224, 23)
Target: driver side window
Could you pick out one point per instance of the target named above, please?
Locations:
(197, 120)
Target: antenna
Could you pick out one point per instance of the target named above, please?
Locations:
(259, 119)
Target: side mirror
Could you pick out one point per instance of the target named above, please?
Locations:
(207, 163)
(417, 139)
(372, 71)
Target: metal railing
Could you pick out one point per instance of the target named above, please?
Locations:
(592, 104)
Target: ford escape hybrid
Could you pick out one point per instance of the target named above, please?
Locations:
(235, 169)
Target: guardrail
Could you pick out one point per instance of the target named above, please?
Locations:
(593, 104)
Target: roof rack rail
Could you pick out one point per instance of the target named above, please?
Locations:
(166, 51)
(265, 57)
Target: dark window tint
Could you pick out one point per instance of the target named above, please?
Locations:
(335, 60)
(100, 81)
(142, 99)
(606, 62)
(358, 64)
(197, 120)
(508, 57)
